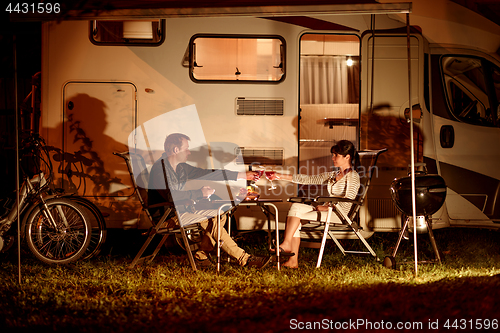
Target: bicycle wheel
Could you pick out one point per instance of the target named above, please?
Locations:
(98, 225)
(63, 243)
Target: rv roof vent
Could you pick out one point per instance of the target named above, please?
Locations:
(260, 156)
(260, 106)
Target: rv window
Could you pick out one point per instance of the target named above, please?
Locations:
(329, 69)
(237, 58)
(130, 32)
(472, 89)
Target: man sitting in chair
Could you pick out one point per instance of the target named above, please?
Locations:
(343, 182)
(178, 172)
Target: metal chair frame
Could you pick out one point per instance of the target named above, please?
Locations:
(162, 227)
(348, 220)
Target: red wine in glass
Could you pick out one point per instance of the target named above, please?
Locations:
(269, 176)
(260, 172)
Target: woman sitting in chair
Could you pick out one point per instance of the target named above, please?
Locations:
(344, 182)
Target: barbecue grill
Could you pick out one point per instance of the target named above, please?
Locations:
(430, 193)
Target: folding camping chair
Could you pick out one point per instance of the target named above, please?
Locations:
(368, 160)
(167, 225)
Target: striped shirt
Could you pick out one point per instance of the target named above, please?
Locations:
(346, 187)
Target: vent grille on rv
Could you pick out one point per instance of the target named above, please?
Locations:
(259, 107)
(260, 156)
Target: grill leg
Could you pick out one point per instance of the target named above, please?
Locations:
(390, 261)
(401, 234)
(433, 241)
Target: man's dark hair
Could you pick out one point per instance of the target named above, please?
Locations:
(174, 140)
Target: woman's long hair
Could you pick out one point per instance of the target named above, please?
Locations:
(344, 148)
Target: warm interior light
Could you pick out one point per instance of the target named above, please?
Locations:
(138, 29)
(349, 62)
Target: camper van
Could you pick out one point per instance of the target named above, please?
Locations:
(282, 84)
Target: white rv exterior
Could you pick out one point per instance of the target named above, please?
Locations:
(95, 96)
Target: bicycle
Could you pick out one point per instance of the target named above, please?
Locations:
(56, 228)
(74, 167)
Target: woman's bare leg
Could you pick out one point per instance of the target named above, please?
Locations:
(290, 243)
(293, 262)
(292, 224)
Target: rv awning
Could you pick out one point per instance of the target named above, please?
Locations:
(109, 10)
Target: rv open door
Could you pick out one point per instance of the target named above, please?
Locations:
(384, 121)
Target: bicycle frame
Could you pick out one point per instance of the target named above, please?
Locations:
(57, 229)
(28, 196)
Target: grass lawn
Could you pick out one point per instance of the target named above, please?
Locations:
(349, 293)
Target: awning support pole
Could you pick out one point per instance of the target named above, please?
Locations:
(17, 163)
(412, 154)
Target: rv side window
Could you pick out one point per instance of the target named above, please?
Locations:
(472, 88)
(130, 32)
(237, 58)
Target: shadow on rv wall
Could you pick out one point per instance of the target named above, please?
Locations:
(379, 129)
(83, 159)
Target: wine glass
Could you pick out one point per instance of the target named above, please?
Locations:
(269, 175)
(260, 172)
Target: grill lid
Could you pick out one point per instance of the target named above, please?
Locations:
(430, 193)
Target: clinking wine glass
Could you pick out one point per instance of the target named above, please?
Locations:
(269, 176)
(260, 172)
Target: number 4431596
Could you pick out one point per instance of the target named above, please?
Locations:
(33, 8)
(471, 324)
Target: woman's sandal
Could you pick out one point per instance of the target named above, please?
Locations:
(283, 253)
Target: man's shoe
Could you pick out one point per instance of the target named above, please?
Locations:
(258, 262)
(203, 262)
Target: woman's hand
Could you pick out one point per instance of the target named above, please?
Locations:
(321, 208)
(279, 176)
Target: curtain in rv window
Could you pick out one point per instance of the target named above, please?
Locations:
(329, 80)
(329, 69)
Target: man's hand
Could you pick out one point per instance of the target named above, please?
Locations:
(249, 175)
(207, 191)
